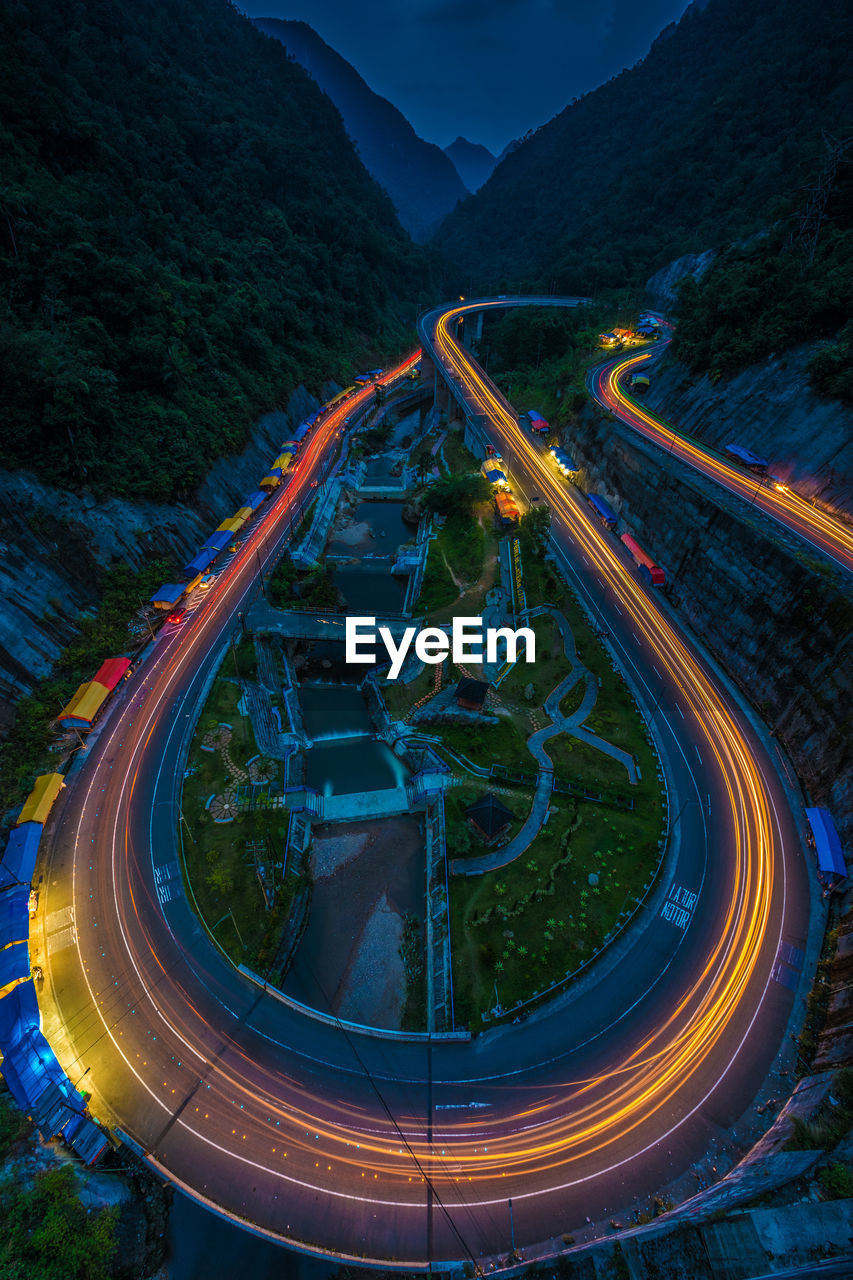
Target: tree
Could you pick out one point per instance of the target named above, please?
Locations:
(49, 1235)
(455, 495)
(533, 531)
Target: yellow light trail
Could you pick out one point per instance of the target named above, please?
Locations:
(571, 1129)
(826, 532)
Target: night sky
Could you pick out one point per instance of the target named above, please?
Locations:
(487, 69)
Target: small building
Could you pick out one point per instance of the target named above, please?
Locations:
(471, 694)
(489, 818)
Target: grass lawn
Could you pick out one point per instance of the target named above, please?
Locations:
(545, 673)
(573, 699)
(458, 458)
(218, 863)
(487, 744)
(400, 697)
(438, 590)
(539, 919)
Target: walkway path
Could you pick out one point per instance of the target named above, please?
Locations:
(571, 724)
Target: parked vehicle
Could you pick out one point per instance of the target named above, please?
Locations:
(652, 573)
(605, 513)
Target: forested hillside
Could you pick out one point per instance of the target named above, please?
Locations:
(420, 179)
(792, 284)
(714, 136)
(186, 233)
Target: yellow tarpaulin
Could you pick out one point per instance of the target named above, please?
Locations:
(271, 480)
(283, 461)
(85, 704)
(238, 521)
(227, 525)
(244, 513)
(41, 798)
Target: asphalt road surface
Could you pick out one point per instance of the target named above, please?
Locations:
(407, 1150)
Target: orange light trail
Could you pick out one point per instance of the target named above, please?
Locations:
(827, 533)
(282, 1120)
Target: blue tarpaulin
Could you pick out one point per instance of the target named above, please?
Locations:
(14, 915)
(220, 539)
(830, 858)
(201, 561)
(19, 1015)
(256, 499)
(30, 1066)
(19, 860)
(14, 963)
(170, 593)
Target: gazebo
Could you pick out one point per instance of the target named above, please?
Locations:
(489, 818)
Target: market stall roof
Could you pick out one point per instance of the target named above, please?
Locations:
(38, 803)
(19, 1014)
(14, 963)
(19, 860)
(220, 539)
(830, 857)
(85, 705)
(168, 595)
(201, 561)
(110, 672)
(14, 915)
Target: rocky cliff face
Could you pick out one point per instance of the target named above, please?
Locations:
(53, 542)
(662, 287)
(772, 410)
(773, 612)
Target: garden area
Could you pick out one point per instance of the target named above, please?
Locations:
(538, 920)
(224, 840)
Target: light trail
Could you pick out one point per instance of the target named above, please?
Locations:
(215, 1079)
(826, 533)
(666, 1059)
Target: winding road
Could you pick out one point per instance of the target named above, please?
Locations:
(608, 384)
(408, 1151)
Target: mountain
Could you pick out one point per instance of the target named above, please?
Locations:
(417, 175)
(473, 162)
(715, 135)
(186, 235)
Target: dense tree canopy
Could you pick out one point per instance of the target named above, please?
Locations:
(780, 289)
(186, 233)
(714, 136)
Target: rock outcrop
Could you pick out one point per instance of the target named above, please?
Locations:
(54, 544)
(775, 613)
(771, 409)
